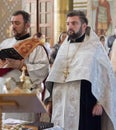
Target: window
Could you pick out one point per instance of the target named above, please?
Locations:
(45, 19)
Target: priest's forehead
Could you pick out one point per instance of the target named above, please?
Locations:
(17, 19)
(25, 15)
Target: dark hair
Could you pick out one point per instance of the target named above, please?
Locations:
(26, 16)
(102, 37)
(38, 34)
(88, 29)
(59, 39)
(78, 13)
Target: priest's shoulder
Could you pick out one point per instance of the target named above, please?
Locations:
(7, 43)
(32, 39)
(8, 40)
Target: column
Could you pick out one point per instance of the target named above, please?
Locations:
(61, 7)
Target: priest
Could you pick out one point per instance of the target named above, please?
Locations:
(34, 54)
(81, 81)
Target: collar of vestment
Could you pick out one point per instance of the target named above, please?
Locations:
(23, 37)
(26, 46)
(77, 40)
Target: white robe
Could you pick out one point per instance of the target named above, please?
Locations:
(37, 66)
(87, 60)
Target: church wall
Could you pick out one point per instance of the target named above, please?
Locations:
(7, 7)
(80, 5)
(90, 8)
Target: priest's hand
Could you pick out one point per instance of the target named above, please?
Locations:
(15, 64)
(97, 110)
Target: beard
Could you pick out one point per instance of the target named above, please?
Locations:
(16, 34)
(74, 35)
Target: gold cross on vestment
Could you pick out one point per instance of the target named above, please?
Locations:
(66, 72)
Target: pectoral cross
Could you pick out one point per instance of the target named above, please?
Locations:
(66, 72)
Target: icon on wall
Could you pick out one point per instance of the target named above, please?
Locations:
(102, 19)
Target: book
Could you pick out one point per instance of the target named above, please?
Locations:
(10, 53)
(41, 125)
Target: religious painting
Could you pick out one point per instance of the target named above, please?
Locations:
(102, 11)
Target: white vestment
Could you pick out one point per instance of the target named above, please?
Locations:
(37, 66)
(85, 61)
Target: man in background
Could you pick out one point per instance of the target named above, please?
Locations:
(55, 48)
(42, 37)
(110, 41)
